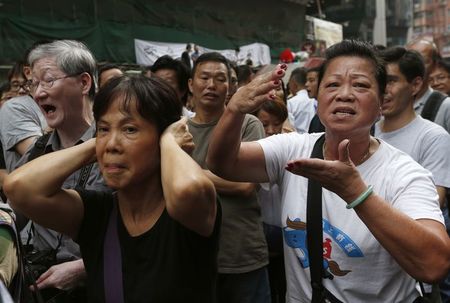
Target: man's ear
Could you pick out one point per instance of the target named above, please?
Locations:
(86, 82)
(417, 84)
(27, 72)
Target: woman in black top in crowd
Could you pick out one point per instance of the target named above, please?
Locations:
(161, 223)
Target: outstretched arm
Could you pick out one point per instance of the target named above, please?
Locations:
(189, 194)
(425, 256)
(34, 189)
(227, 157)
(225, 187)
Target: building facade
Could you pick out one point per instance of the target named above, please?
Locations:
(431, 20)
(398, 21)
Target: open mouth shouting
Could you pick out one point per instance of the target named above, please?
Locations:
(48, 109)
(344, 112)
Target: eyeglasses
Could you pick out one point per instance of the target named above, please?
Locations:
(16, 85)
(48, 83)
(438, 79)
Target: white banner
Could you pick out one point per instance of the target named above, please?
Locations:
(148, 51)
(259, 53)
(327, 31)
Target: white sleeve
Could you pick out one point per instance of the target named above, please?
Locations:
(414, 193)
(443, 115)
(435, 157)
(279, 149)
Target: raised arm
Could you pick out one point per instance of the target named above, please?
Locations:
(225, 187)
(34, 189)
(227, 157)
(189, 194)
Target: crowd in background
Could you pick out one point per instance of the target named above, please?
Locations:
(57, 99)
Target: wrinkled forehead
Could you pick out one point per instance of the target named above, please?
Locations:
(350, 65)
(43, 61)
(211, 67)
(43, 65)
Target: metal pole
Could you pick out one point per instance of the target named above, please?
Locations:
(319, 9)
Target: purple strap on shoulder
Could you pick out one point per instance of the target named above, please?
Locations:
(112, 261)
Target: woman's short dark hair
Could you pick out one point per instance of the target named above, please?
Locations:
(276, 108)
(155, 100)
(356, 48)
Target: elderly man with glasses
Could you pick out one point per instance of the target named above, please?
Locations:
(63, 86)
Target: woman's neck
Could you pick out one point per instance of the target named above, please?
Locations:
(360, 147)
(141, 206)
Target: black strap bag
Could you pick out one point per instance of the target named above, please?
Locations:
(314, 235)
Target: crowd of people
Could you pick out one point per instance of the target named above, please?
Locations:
(202, 181)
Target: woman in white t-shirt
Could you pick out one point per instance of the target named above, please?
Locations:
(382, 227)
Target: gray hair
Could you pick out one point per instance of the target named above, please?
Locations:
(72, 57)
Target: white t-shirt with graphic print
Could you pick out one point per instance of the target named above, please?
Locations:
(362, 270)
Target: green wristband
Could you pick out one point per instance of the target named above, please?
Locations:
(361, 197)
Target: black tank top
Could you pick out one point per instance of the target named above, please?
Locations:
(168, 263)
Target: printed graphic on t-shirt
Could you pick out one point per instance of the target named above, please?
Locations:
(295, 237)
